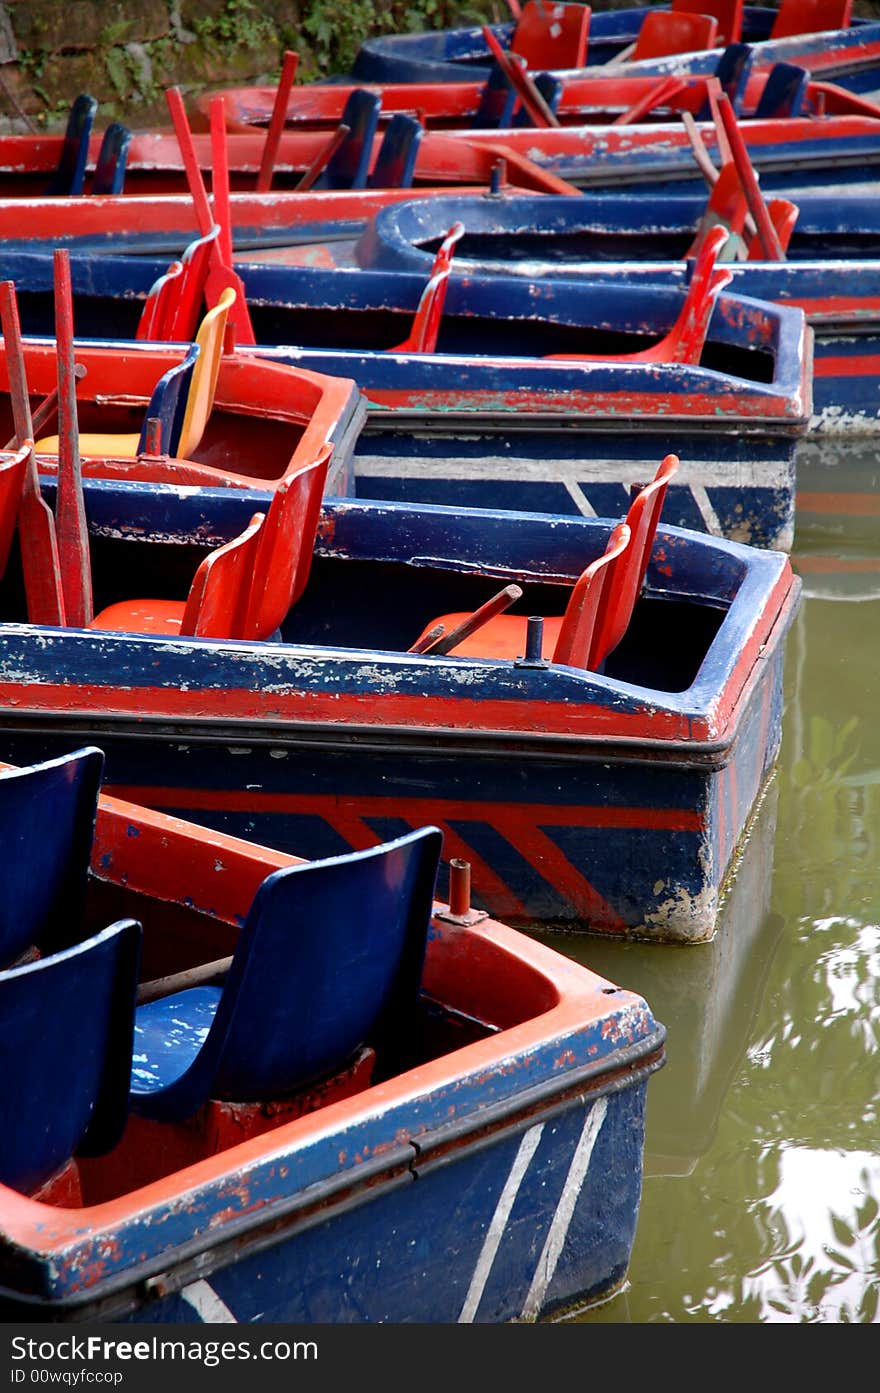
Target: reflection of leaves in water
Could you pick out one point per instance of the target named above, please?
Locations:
(840, 1283)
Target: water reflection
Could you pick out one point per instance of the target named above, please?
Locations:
(762, 1168)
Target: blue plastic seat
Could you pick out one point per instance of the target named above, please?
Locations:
(396, 160)
(785, 91)
(66, 1026)
(69, 177)
(329, 958)
(550, 86)
(348, 166)
(109, 175)
(497, 100)
(47, 824)
(732, 71)
(168, 403)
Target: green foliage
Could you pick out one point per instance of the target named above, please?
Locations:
(337, 28)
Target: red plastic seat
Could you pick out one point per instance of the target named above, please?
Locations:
(601, 602)
(663, 31)
(244, 589)
(729, 14)
(810, 17)
(727, 207)
(422, 337)
(552, 35)
(684, 342)
(783, 216)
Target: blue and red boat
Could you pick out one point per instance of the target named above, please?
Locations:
(828, 267)
(586, 791)
(820, 35)
(517, 394)
(451, 1053)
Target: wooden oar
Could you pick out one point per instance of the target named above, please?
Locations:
(220, 273)
(323, 158)
(770, 244)
(36, 522)
(521, 81)
(276, 124)
(71, 526)
(497, 605)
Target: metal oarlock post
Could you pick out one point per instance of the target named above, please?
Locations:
(459, 910)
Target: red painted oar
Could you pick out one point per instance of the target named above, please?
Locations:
(769, 241)
(323, 158)
(276, 123)
(220, 272)
(521, 81)
(71, 526)
(36, 522)
(219, 275)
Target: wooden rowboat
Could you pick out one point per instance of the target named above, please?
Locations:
(495, 1065)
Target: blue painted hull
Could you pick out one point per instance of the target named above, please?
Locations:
(490, 1169)
(846, 57)
(609, 802)
(475, 423)
(830, 270)
(410, 1252)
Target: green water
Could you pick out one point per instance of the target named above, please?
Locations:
(762, 1157)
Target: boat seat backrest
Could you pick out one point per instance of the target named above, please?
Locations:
(685, 340)
(785, 92)
(330, 957)
(577, 641)
(783, 216)
(550, 87)
(70, 174)
(497, 101)
(726, 207)
(109, 175)
(184, 296)
(47, 822)
(12, 471)
(662, 32)
(66, 1025)
(425, 331)
(396, 161)
(217, 603)
(168, 403)
(642, 518)
(206, 368)
(552, 35)
(349, 164)
(732, 74)
(810, 17)
(728, 13)
(287, 544)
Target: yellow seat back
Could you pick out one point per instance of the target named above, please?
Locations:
(204, 380)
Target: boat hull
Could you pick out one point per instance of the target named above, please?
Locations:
(496, 1178)
(580, 801)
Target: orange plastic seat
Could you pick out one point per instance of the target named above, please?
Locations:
(810, 17)
(728, 13)
(663, 31)
(601, 602)
(243, 589)
(552, 35)
(684, 342)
